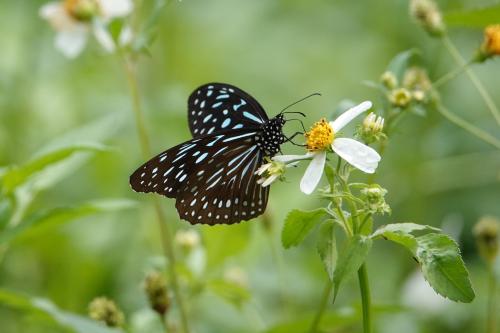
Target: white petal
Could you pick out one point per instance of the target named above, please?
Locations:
(289, 158)
(126, 36)
(313, 173)
(346, 117)
(71, 42)
(103, 36)
(269, 180)
(263, 168)
(116, 8)
(357, 154)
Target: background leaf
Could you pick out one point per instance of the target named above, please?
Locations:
(298, 224)
(474, 18)
(401, 62)
(41, 306)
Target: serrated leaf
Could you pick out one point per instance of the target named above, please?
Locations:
(298, 224)
(443, 267)
(327, 247)
(350, 259)
(17, 175)
(39, 306)
(61, 215)
(401, 62)
(474, 18)
(401, 233)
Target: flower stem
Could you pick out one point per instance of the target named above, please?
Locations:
(452, 49)
(477, 132)
(492, 288)
(322, 307)
(165, 232)
(451, 75)
(365, 298)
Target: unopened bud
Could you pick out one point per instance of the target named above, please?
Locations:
(371, 129)
(155, 287)
(105, 310)
(427, 14)
(374, 199)
(491, 43)
(487, 237)
(187, 239)
(400, 97)
(389, 80)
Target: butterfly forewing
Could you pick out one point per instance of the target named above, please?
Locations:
(213, 178)
(216, 107)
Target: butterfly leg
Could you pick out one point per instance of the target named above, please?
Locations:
(290, 139)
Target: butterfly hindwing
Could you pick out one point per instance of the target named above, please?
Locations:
(216, 107)
(213, 178)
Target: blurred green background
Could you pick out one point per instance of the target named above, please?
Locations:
(278, 51)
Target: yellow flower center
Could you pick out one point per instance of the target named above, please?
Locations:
(492, 39)
(320, 137)
(82, 10)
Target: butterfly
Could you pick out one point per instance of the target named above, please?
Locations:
(213, 176)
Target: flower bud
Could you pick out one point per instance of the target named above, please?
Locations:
(371, 129)
(491, 43)
(389, 80)
(486, 232)
(400, 97)
(105, 310)
(427, 14)
(187, 239)
(416, 78)
(270, 172)
(155, 287)
(374, 199)
(82, 10)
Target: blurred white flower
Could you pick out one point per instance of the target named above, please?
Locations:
(237, 276)
(322, 137)
(73, 20)
(187, 239)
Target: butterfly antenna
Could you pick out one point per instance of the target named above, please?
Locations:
(300, 100)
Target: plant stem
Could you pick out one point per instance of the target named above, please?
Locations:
(452, 49)
(365, 298)
(322, 307)
(492, 289)
(477, 132)
(451, 75)
(165, 232)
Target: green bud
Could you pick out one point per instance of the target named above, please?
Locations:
(427, 14)
(400, 97)
(105, 310)
(486, 232)
(373, 196)
(155, 287)
(389, 80)
(187, 239)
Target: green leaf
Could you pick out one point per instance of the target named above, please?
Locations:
(474, 18)
(327, 247)
(298, 224)
(231, 292)
(148, 31)
(401, 62)
(401, 233)
(18, 175)
(61, 215)
(45, 308)
(350, 259)
(330, 175)
(443, 267)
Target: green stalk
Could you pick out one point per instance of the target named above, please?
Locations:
(477, 132)
(451, 75)
(322, 307)
(365, 298)
(165, 232)
(492, 299)
(452, 49)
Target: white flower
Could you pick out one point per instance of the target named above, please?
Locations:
(323, 136)
(73, 20)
